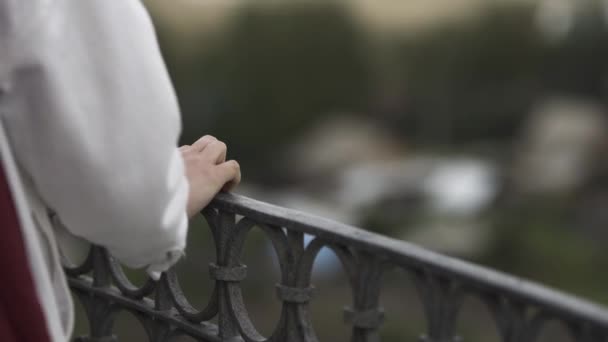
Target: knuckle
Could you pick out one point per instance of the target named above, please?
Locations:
(234, 165)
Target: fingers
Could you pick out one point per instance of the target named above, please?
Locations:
(215, 152)
(231, 174)
(203, 142)
(211, 149)
(212, 152)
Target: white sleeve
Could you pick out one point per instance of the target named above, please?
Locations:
(94, 122)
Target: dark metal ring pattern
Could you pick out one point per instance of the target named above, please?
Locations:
(235, 274)
(295, 294)
(85, 267)
(520, 309)
(124, 284)
(367, 319)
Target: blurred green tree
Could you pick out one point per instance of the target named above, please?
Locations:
(273, 72)
(471, 80)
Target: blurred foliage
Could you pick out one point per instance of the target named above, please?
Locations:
(472, 80)
(578, 64)
(275, 71)
(537, 239)
(477, 80)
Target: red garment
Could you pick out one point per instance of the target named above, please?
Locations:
(21, 316)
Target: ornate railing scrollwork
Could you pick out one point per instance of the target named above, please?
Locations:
(520, 308)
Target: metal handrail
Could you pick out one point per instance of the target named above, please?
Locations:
(521, 308)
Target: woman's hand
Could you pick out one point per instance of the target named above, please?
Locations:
(208, 172)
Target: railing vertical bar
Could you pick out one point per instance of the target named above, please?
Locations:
(228, 329)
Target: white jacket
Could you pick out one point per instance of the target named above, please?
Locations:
(89, 124)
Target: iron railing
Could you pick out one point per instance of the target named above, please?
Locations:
(520, 308)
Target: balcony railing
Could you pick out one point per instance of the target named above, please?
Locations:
(520, 308)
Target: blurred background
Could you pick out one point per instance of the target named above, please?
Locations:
(475, 128)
